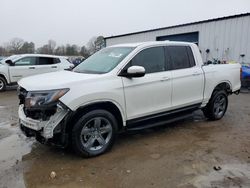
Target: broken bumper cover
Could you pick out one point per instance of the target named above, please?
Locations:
(44, 128)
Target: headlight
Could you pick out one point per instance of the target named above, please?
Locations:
(44, 98)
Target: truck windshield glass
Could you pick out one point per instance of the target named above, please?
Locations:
(103, 61)
(12, 58)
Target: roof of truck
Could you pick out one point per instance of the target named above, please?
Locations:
(151, 43)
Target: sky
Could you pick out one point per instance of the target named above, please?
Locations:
(76, 21)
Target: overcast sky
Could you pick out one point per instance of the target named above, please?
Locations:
(76, 21)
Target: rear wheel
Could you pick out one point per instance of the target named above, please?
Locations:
(217, 106)
(2, 84)
(94, 133)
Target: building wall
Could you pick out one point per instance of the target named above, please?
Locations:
(226, 39)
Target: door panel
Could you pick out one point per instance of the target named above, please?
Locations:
(147, 95)
(187, 78)
(152, 93)
(187, 86)
(23, 67)
(47, 64)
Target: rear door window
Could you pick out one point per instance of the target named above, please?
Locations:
(46, 61)
(56, 60)
(191, 56)
(181, 57)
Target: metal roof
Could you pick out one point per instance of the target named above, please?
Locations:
(180, 25)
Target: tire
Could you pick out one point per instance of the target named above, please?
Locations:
(2, 84)
(94, 133)
(217, 105)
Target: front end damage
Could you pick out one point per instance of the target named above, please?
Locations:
(47, 123)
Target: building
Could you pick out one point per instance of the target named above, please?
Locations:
(224, 39)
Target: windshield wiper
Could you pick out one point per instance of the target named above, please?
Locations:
(89, 72)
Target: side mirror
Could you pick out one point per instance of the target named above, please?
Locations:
(9, 62)
(134, 72)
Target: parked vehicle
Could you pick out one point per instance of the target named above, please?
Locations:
(77, 61)
(16, 67)
(1, 58)
(123, 87)
(245, 75)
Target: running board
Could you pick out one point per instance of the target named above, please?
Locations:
(158, 123)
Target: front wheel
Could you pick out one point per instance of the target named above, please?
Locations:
(217, 106)
(94, 133)
(2, 84)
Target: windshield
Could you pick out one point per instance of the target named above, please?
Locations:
(12, 58)
(1, 59)
(103, 61)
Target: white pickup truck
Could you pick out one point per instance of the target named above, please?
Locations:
(16, 67)
(123, 87)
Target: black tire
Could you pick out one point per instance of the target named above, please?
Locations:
(217, 105)
(2, 84)
(86, 134)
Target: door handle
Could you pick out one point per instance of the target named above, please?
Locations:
(32, 67)
(54, 67)
(165, 79)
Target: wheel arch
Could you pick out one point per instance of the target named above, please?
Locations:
(224, 85)
(105, 105)
(4, 77)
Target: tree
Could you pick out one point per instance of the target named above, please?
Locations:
(2, 51)
(43, 50)
(48, 48)
(95, 44)
(91, 45)
(28, 47)
(84, 52)
(60, 50)
(51, 46)
(99, 43)
(72, 50)
(15, 45)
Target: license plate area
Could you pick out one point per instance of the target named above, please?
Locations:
(33, 126)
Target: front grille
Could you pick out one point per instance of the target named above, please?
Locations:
(43, 114)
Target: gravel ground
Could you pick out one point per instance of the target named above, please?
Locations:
(186, 154)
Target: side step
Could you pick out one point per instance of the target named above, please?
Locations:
(150, 124)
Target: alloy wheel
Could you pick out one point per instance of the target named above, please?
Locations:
(1, 84)
(220, 105)
(96, 133)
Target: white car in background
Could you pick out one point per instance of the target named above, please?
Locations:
(16, 67)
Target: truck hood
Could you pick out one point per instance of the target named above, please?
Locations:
(54, 80)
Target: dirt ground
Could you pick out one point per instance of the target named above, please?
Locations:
(187, 154)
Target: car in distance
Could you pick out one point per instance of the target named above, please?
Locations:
(245, 76)
(16, 67)
(123, 87)
(1, 58)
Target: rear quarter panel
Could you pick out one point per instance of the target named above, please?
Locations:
(216, 74)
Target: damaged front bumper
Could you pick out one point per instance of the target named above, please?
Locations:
(44, 130)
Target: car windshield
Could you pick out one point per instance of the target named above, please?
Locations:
(103, 61)
(12, 58)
